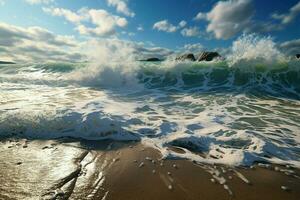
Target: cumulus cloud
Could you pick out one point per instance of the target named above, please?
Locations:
(165, 26)
(200, 16)
(190, 32)
(104, 23)
(121, 7)
(68, 14)
(290, 16)
(291, 47)
(39, 1)
(182, 24)
(227, 18)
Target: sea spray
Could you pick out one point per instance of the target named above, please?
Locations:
(236, 112)
(252, 49)
(111, 64)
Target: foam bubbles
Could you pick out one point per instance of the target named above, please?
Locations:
(213, 112)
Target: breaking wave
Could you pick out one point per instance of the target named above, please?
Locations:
(237, 111)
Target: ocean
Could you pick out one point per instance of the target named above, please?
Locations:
(238, 111)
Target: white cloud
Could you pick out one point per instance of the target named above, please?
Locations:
(121, 50)
(11, 34)
(227, 18)
(68, 14)
(137, 50)
(121, 7)
(291, 47)
(230, 17)
(104, 22)
(165, 26)
(140, 28)
(290, 16)
(190, 32)
(39, 1)
(182, 24)
(200, 16)
(284, 20)
(194, 48)
(36, 44)
(263, 27)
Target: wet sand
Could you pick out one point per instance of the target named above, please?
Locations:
(73, 169)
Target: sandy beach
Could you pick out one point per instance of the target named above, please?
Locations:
(80, 169)
(149, 100)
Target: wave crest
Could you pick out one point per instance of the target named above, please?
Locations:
(252, 49)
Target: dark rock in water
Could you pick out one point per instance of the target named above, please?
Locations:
(208, 56)
(151, 60)
(5, 62)
(188, 56)
(298, 56)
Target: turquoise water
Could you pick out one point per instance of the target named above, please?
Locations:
(215, 112)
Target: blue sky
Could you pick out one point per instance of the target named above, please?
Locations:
(168, 24)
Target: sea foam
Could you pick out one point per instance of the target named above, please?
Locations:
(236, 111)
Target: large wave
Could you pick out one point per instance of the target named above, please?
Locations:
(236, 111)
(252, 61)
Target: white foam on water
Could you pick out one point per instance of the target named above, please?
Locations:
(112, 65)
(115, 97)
(254, 49)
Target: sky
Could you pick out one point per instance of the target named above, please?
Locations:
(35, 30)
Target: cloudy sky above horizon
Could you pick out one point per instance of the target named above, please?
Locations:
(34, 30)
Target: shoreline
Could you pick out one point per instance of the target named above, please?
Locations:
(81, 169)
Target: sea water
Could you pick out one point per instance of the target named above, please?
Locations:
(236, 111)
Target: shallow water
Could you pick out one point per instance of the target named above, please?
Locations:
(214, 112)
